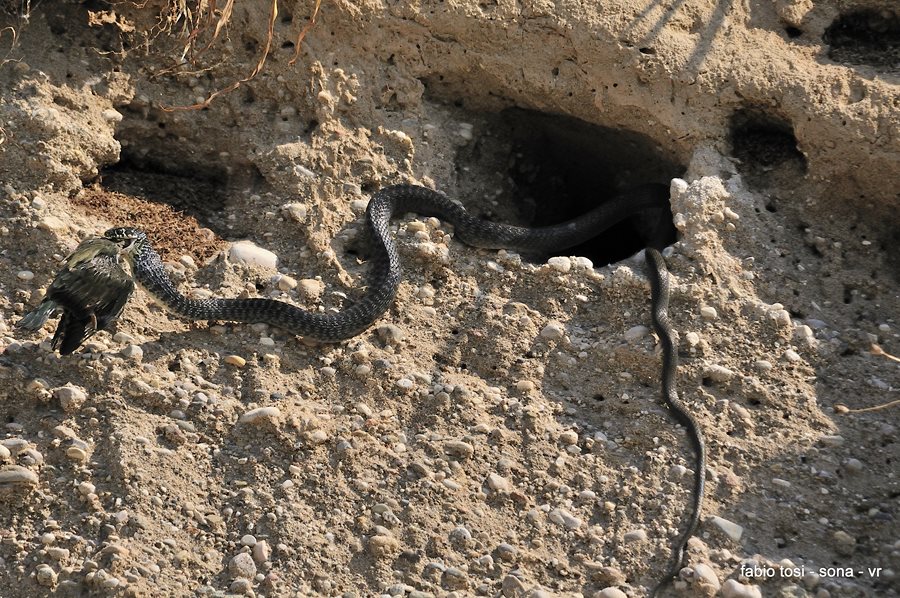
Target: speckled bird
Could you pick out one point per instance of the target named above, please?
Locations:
(91, 290)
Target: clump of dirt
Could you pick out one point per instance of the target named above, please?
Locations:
(499, 431)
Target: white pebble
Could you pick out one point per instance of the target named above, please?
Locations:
(132, 352)
(553, 331)
(286, 283)
(569, 437)
(405, 383)
(242, 565)
(248, 540)
(247, 252)
(560, 264)
(15, 474)
(498, 483)
(70, 398)
(718, 373)
(734, 589)
(261, 414)
(792, 356)
(25, 275)
(564, 518)
(111, 115)
(707, 312)
(763, 365)
(729, 528)
(294, 211)
(706, 577)
(692, 338)
(261, 552)
(636, 333)
(610, 592)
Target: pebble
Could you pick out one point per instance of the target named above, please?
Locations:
(729, 528)
(458, 448)
(15, 474)
(235, 360)
(261, 415)
(512, 586)
(633, 536)
(4, 453)
(569, 437)
(718, 373)
(132, 352)
(832, 440)
(734, 589)
(498, 483)
(76, 453)
(25, 275)
(261, 552)
(763, 365)
(564, 518)
(692, 338)
(636, 333)
(248, 540)
(112, 115)
(390, 334)
(294, 211)
(792, 356)
(247, 252)
(455, 579)
(45, 575)
(610, 593)
(845, 544)
(706, 578)
(405, 383)
(560, 264)
(317, 437)
(242, 565)
(853, 465)
(70, 397)
(708, 312)
(553, 331)
(286, 283)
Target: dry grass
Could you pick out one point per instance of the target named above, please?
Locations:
(205, 19)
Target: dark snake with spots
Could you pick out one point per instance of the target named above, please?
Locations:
(385, 275)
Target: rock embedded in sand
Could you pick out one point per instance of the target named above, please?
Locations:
(247, 252)
(70, 397)
(259, 415)
(16, 475)
(734, 589)
(242, 565)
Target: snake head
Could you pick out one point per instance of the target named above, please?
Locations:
(130, 240)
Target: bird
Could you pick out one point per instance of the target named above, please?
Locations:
(91, 290)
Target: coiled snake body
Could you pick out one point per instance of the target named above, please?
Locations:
(385, 275)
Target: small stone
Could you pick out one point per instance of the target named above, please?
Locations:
(832, 440)
(730, 529)
(4, 453)
(845, 544)
(235, 360)
(692, 338)
(506, 552)
(553, 331)
(763, 365)
(512, 587)
(564, 518)
(735, 589)
(455, 579)
(560, 264)
(25, 275)
(13, 475)
(718, 373)
(240, 586)
(247, 252)
(317, 436)
(45, 575)
(390, 334)
(708, 312)
(111, 115)
(853, 465)
(295, 211)
(248, 540)
(633, 536)
(636, 333)
(261, 552)
(405, 384)
(133, 352)
(569, 437)
(259, 415)
(498, 483)
(458, 448)
(706, 579)
(242, 565)
(70, 397)
(77, 454)
(610, 593)
(792, 356)
(286, 283)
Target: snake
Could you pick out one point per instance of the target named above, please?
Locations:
(385, 274)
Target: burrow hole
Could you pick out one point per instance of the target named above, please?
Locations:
(557, 168)
(867, 36)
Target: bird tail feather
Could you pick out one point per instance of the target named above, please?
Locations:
(37, 317)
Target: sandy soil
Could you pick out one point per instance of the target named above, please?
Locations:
(499, 432)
